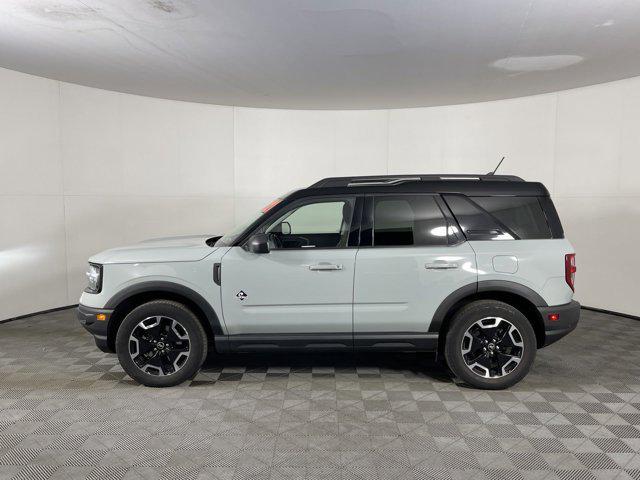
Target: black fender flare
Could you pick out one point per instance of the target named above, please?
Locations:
(171, 288)
(480, 287)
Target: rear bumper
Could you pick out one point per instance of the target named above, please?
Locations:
(88, 318)
(568, 316)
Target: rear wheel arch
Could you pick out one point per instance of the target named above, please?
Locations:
(518, 296)
(128, 299)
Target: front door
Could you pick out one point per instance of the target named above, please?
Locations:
(300, 294)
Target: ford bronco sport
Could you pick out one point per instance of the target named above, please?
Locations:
(475, 268)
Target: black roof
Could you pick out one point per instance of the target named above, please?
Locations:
(481, 185)
(396, 179)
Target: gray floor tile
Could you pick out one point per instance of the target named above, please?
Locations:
(68, 411)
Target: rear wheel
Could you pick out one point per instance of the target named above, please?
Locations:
(490, 345)
(161, 344)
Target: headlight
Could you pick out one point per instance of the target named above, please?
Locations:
(94, 277)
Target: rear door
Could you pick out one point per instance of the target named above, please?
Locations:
(411, 258)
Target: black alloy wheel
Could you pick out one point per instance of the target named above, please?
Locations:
(492, 347)
(159, 345)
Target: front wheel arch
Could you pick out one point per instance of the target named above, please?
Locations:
(128, 303)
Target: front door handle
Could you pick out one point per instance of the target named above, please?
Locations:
(324, 267)
(440, 265)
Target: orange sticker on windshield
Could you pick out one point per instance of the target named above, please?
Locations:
(271, 205)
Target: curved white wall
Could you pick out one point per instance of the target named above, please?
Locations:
(85, 169)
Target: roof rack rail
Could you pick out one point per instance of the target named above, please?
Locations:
(362, 182)
(391, 180)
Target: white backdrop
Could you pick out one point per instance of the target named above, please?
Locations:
(84, 169)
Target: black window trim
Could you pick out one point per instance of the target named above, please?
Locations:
(551, 216)
(354, 227)
(367, 222)
(451, 220)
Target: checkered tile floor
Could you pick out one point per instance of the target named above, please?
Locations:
(68, 411)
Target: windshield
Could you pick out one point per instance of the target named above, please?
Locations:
(230, 238)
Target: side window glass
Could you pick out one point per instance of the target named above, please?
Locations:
(313, 225)
(523, 215)
(316, 218)
(475, 223)
(406, 220)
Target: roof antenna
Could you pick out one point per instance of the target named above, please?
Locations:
(497, 167)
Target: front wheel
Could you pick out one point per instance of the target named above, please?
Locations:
(490, 345)
(161, 344)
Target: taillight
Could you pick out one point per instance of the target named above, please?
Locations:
(570, 270)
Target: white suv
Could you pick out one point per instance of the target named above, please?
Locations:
(475, 268)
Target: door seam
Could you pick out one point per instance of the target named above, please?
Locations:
(353, 301)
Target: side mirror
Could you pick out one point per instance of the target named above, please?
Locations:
(285, 228)
(259, 243)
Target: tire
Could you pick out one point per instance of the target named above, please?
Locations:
(473, 355)
(161, 344)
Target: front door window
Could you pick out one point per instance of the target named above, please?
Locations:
(321, 224)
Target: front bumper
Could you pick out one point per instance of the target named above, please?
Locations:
(88, 318)
(568, 316)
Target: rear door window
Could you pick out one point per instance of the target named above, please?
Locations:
(407, 220)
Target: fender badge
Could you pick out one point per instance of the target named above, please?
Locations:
(241, 295)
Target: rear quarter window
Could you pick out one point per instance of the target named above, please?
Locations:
(522, 215)
(500, 218)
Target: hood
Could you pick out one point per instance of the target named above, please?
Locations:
(188, 248)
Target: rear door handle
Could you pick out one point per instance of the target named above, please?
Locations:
(439, 265)
(485, 232)
(324, 267)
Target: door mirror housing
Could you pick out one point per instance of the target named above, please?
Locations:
(285, 228)
(259, 243)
